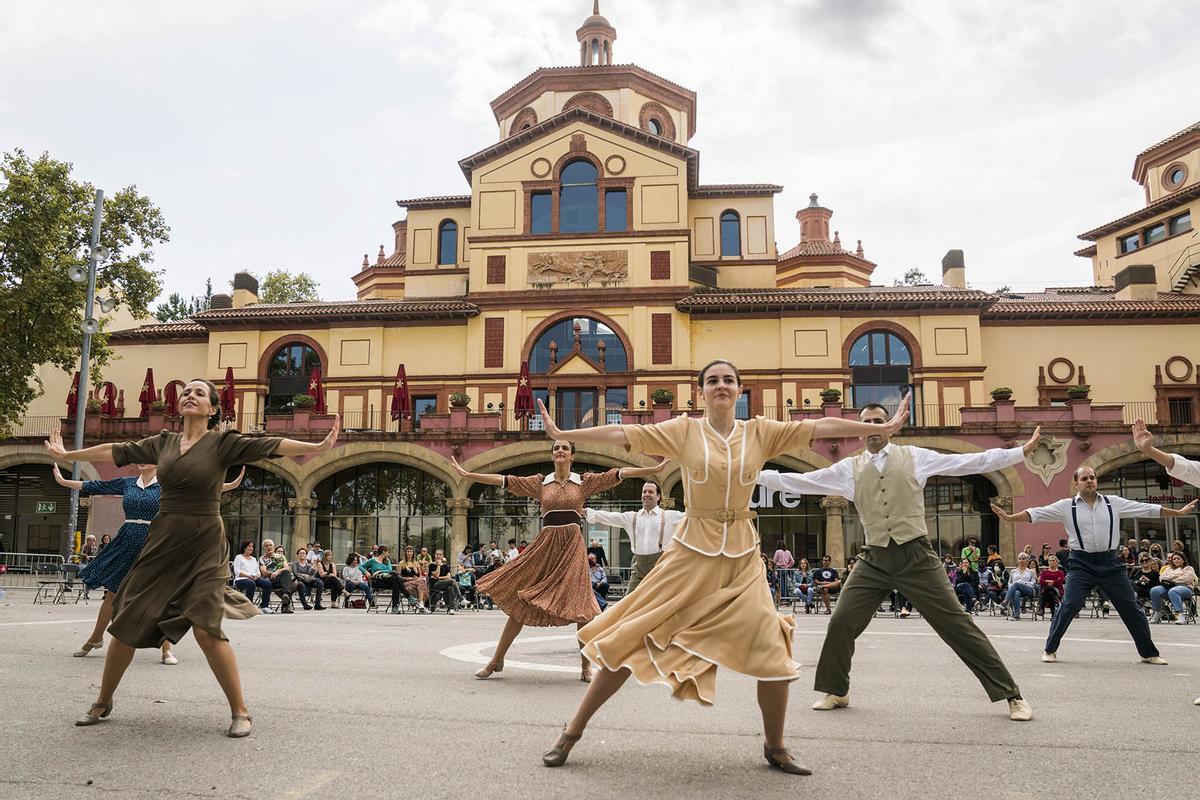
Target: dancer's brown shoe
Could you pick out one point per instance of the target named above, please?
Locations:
(94, 719)
(487, 671)
(240, 726)
(557, 756)
(789, 766)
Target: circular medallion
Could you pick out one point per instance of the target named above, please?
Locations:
(1178, 369)
(1060, 370)
(614, 165)
(540, 167)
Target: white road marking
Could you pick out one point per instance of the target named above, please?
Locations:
(471, 653)
(1123, 642)
(47, 622)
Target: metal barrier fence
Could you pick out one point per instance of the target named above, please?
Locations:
(21, 570)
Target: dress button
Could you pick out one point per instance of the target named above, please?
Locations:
(721, 487)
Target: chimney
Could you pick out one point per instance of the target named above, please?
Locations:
(400, 227)
(220, 301)
(954, 271)
(245, 289)
(814, 221)
(1136, 282)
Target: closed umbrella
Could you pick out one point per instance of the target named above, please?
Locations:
(73, 396)
(148, 394)
(524, 405)
(108, 405)
(228, 397)
(316, 390)
(171, 398)
(401, 401)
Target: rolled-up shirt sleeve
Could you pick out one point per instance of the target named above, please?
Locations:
(1057, 511)
(1185, 470)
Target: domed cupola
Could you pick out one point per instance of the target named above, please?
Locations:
(596, 37)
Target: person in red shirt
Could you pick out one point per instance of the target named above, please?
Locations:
(1051, 581)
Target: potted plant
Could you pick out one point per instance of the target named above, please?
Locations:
(1002, 394)
(1079, 392)
(662, 397)
(460, 399)
(831, 396)
(459, 408)
(157, 418)
(302, 406)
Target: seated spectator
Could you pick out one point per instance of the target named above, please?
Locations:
(1145, 579)
(1063, 553)
(379, 569)
(314, 552)
(1175, 582)
(492, 552)
(513, 552)
(104, 542)
(826, 581)
(1022, 583)
(479, 560)
(355, 580)
(993, 555)
(948, 564)
(424, 558)
(328, 573)
(993, 584)
(442, 584)
(599, 582)
(247, 576)
(464, 559)
(1129, 559)
(89, 550)
(413, 574)
(466, 584)
(274, 566)
(804, 585)
(1051, 580)
(521, 547)
(1177, 546)
(597, 550)
(1156, 554)
(308, 581)
(966, 584)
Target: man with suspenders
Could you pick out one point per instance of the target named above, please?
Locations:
(1093, 525)
(650, 530)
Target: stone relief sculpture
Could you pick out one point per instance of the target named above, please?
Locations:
(605, 267)
(1049, 459)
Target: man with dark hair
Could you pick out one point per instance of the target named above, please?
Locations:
(886, 482)
(1063, 553)
(650, 529)
(826, 578)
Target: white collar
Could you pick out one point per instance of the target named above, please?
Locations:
(573, 478)
(655, 510)
(153, 481)
(883, 451)
(1079, 499)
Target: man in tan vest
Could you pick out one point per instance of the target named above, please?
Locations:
(887, 484)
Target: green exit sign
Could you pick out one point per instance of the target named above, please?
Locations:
(46, 506)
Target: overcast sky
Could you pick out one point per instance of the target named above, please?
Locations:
(280, 134)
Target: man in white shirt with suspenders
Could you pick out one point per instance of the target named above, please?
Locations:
(1177, 466)
(1093, 525)
(650, 530)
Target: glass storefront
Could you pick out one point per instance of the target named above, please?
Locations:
(380, 503)
(258, 509)
(1148, 482)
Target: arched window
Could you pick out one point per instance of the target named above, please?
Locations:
(558, 342)
(584, 405)
(287, 375)
(731, 234)
(258, 509)
(879, 369)
(579, 200)
(656, 128)
(448, 242)
(595, 52)
(1149, 482)
(381, 503)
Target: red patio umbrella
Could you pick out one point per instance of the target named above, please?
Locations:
(171, 398)
(228, 396)
(316, 390)
(148, 394)
(73, 396)
(108, 405)
(524, 406)
(401, 401)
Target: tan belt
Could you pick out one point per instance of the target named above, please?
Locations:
(722, 514)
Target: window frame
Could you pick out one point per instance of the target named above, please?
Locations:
(442, 230)
(553, 187)
(721, 221)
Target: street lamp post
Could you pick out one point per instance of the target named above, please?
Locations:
(89, 326)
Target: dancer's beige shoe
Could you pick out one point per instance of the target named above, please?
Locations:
(94, 719)
(831, 701)
(87, 648)
(239, 726)
(1019, 710)
(1050, 658)
(1155, 660)
(487, 671)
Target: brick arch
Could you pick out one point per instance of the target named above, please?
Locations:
(15, 455)
(596, 103)
(500, 459)
(356, 453)
(906, 336)
(291, 338)
(659, 112)
(577, 155)
(1124, 453)
(525, 118)
(553, 320)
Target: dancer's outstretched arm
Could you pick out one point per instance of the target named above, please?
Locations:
(490, 478)
(235, 483)
(601, 434)
(1177, 466)
(295, 447)
(67, 482)
(96, 454)
(835, 428)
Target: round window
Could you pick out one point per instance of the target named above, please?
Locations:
(655, 126)
(1176, 176)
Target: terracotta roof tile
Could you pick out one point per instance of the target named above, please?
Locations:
(437, 201)
(423, 308)
(870, 297)
(584, 70)
(1159, 206)
(1177, 135)
(1074, 302)
(185, 329)
(736, 190)
(819, 247)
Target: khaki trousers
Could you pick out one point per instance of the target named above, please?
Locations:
(641, 568)
(916, 572)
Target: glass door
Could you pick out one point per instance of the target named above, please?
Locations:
(576, 408)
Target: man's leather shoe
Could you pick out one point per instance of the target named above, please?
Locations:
(1155, 660)
(831, 701)
(1019, 710)
(1050, 658)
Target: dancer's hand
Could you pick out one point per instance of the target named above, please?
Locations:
(54, 446)
(1002, 514)
(462, 473)
(1186, 510)
(1143, 439)
(548, 424)
(900, 418)
(58, 476)
(331, 438)
(1032, 444)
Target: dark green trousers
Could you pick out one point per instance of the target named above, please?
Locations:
(916, 572)
(641, 568)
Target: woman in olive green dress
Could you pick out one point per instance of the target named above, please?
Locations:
(180, 580)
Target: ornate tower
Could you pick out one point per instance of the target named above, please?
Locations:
(596, 37)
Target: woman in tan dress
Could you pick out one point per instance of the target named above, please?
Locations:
(706, 603)
(548, 584)
(180, 580)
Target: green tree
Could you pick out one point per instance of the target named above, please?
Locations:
(280, 286)
(914, 277)
(177, 309)
(45, 227)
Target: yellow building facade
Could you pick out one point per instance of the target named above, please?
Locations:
(586, 246)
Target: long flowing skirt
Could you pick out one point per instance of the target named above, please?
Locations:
(548, 584)
(112, 564)
(692, 614)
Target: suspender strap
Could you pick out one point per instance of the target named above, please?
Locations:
(662, 527)
(1108, 503)
(1075, 522)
